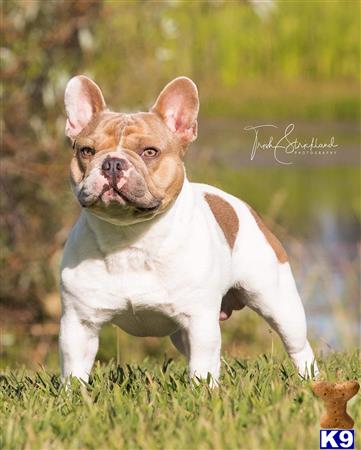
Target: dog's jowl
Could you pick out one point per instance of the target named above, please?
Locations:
(152, 252)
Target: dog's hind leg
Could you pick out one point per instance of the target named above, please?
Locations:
(276, 299)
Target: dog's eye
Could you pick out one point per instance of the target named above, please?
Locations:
(150, 152)
(87, 152)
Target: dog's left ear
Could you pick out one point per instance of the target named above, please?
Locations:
(178, 106)
(83, 99)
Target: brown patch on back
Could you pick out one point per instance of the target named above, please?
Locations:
(225, 216)
(271, 238)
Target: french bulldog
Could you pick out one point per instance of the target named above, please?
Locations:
(155, 254)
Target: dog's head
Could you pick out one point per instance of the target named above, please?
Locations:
(129, 167)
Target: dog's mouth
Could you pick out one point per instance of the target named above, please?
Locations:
(111, 194)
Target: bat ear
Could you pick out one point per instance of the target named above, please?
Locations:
(83, 99)
(178, 106)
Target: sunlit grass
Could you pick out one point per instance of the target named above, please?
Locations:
(261, 404)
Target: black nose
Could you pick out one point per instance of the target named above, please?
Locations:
(112, 167)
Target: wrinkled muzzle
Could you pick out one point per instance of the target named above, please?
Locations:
(116, 179)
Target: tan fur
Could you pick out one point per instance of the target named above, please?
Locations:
(335, 397)
(76, 171)
(271, 238)
(134, 133)
(169, 127)
(166, 172)
(225, 216)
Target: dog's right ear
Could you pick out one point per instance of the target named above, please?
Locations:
(83, 99)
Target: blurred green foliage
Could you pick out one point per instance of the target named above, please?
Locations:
(298, 60)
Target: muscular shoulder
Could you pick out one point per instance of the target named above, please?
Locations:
(81, 245)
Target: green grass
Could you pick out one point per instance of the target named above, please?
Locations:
(261, 404)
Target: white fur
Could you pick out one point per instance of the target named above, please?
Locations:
(167, 276)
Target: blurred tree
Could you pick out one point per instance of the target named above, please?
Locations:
(43, 44)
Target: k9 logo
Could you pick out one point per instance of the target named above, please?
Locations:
(337, 439)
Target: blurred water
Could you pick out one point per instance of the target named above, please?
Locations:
(334, 307)
(227, 141)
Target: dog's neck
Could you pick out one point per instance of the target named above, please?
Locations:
(147, 234)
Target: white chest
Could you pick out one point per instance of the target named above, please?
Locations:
(126, 288)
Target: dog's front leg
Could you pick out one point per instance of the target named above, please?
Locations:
(78, 346)
(204, 336)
